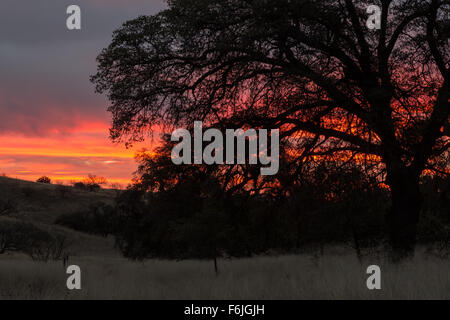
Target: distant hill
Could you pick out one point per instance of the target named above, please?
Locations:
(41, 204)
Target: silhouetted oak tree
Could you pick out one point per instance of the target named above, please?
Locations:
(308, 67)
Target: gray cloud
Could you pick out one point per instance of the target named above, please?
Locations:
(45, 68)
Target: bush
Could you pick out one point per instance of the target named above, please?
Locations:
(332, 204)
(79, 185)
(93, 187)
(94, 183)
(98, 219)
(44, 179)
(16, 236)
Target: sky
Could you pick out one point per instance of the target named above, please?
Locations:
(51, 120)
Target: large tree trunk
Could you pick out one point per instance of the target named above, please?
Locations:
(405, 210)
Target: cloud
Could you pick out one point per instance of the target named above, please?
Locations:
(67, 168)
(43, 22)
(51, 121)
(45, 68)
(67, 157)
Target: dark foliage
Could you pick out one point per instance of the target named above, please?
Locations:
(312, 69)
(79, 185)
(92, 183)
(24, 237)
(192, 218)
(44, 179)
(91, 187)
(180, 214)
(98, 219)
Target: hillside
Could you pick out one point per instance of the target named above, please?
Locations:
(41, 204)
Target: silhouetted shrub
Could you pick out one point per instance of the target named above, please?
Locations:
(27, 238)
(93, 187)
(44, 179)
(79, 185)
(94, 183)
(332, 204)
(98, 219)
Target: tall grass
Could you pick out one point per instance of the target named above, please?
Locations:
(333, 276)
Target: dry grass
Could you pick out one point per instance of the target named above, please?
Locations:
(43, 203)
(337, 275)
(334, 276)
(40, 204)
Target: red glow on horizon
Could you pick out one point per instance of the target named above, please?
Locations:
(67, 156)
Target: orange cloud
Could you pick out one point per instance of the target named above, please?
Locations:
(67, 156)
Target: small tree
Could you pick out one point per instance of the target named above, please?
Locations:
(17, 236)
(94, 183)
(44, 179)
(79, 185)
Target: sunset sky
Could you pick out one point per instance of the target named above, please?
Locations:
(51, 121)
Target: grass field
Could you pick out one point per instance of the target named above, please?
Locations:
(40, 204)
(106, 275)
(334, 276)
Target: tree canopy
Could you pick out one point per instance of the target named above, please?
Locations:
(309, 68)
